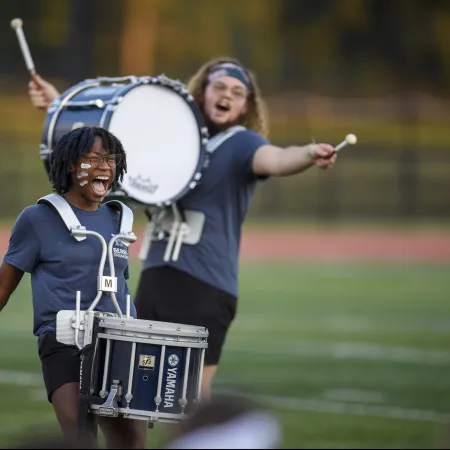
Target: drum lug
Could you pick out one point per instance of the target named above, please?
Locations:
(183, 403)
(111, 408)
(158, 401)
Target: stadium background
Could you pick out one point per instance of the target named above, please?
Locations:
(344, 319)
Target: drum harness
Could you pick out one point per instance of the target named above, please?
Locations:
(174, 224)
(67, 321)
(104, 283)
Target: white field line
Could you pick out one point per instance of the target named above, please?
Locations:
(25, 424)
(351, 445)
(352, 409)
(32, 380)
(345, 323)
(25, 379)
(340, 350)
(354, 395)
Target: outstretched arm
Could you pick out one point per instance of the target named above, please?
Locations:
(278, 161)
(10, 277)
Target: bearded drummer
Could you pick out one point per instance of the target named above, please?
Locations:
(200, 287)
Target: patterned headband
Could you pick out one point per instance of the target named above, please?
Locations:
(231, 70)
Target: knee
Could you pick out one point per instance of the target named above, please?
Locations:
(125, 433)
(126, 441)
(209, 373)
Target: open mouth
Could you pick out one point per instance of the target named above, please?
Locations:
(100, 185)
(223, 107)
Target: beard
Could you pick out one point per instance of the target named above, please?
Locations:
(214, 128)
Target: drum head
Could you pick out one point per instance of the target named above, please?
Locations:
(161, 135)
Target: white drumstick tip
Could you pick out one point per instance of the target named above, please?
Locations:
(351, 139)
(16, 23)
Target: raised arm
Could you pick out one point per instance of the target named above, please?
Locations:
(41, 92)
(278, 161)
(10, 277)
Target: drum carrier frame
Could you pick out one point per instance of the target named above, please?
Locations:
(85, 329)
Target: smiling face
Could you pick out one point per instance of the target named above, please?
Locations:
(92, 176)
(225, 101)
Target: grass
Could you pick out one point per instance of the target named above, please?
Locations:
(347, 356)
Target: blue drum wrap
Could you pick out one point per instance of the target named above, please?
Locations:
(88, 115)
(145, 375)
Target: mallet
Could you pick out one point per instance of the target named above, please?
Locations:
(16, 24)
(350, 139)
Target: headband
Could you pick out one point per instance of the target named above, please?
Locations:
(231, 70)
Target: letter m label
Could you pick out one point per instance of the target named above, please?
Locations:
(109, 284)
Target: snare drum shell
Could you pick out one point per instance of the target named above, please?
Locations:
(145, 375)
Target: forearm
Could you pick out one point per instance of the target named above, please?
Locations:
(277, 161)
(3, 300)
(292, 160)
(10, 277)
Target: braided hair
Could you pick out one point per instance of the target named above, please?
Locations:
(76, 143)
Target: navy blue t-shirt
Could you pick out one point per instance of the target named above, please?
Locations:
(60, 265)
(223, 195)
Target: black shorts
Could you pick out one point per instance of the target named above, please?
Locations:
(166, 294)
(60, 363)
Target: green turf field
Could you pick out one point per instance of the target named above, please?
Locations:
(348, 356)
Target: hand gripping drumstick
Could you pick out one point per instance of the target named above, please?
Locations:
(350, 139)
(16, 24)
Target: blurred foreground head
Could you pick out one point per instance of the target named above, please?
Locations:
(228, 422)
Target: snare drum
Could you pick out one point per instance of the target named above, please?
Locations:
(157, 121)
(146, 370)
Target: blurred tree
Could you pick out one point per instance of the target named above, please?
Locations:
(139, 37)
(335, 47)
(54, 17)
(78, 58)
(11, 61)
(190, 33)
(378, 45)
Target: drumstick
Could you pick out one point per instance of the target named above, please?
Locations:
(16, 24)
(350, 139)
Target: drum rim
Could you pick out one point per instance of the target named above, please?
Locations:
(156, 325)
(202, 130)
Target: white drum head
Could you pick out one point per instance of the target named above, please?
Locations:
(161, 137)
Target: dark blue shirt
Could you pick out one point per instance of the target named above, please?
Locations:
(60, 265)
(223, 195)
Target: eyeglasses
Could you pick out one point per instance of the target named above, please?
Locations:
(112, 159)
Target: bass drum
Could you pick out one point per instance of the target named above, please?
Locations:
(158, 122)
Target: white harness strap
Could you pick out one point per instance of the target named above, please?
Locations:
(220, 138)
(71, 221)
(180, 232)
(65, 211)
(126, 217)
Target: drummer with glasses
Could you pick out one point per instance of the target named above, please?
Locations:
(85, 164)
